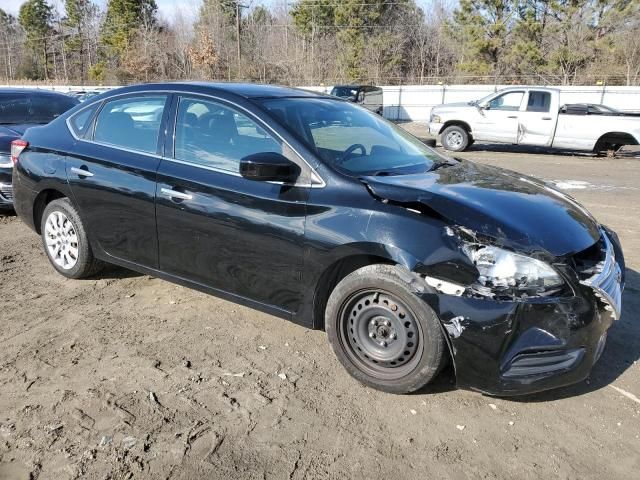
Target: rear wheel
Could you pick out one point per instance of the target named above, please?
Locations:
(65, 241)
(455, 138)
(382, 333)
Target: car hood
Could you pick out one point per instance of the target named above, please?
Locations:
(514, 210)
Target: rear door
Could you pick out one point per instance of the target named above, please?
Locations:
(537, 120)
(217, 228)
(499, 120)
(112, 175)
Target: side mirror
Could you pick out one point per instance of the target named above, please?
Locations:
(269, 167)
(484, 106)
(360, 98)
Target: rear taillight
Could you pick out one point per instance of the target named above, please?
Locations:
(17, 146)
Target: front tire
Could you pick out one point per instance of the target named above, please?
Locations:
(455, 138)
(382, 333)
(65, 241)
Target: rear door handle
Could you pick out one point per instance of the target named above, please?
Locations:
(168, 192)
(512, 116)
(547, 118)
(81, 172)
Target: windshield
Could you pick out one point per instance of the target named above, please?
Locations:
(348, 93)
(22, 108)
(353, 139)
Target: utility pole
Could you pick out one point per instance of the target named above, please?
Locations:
(238, 7)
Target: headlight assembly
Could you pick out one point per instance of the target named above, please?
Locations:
(436, 119)
(503, 270)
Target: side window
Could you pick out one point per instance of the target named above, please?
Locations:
(133, 122)
(80, 121)
(14, 108)
(539, 102)
(45, 108)
(210, 134)
(508, 101)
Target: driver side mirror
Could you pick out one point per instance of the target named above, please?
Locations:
(360, 98)
(269, 167)
(485, 106)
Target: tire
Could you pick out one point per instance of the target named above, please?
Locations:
(382, 333)
(455, 138)
(65, 241)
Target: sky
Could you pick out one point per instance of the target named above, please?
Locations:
(166, 7)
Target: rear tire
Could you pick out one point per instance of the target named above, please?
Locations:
(455, 138)
(65, 241)
(382, 333)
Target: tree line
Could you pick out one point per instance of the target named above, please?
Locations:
(326, 41)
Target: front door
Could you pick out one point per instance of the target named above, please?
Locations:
(499, 119)
(219, 229)
(112, 174)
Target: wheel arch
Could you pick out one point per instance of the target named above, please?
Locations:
(456, 123)
(614, 138)
(342, 264)
(44, 198)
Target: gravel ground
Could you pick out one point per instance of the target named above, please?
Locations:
(127, 376)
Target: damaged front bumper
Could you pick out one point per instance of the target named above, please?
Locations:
(503, 347)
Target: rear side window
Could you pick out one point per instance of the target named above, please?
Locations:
(80, 122)
(33, 107)
(132, 122)
(210, 134)
(539, 102)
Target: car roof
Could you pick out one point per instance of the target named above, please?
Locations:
(246, 90)
(33, 91)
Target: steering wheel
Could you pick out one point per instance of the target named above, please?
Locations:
(349, 152)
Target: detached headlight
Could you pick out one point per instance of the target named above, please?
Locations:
(436, 119)
(502, 269)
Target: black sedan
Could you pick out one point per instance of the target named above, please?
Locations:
(19, 110)
(319, 211)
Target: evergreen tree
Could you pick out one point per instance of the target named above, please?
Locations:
(35, 18)
(122, 20)
(481, 28)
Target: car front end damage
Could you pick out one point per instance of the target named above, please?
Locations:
(513, 338)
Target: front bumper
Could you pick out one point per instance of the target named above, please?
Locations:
(435, 128)
(518, 347)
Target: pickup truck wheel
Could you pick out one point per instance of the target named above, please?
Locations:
(65, 241)
(455, 138)
(382, 333)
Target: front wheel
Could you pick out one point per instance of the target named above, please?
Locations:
(65, 241)
(382, 333)
(455, 138)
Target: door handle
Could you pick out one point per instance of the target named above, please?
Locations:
(547, 118)
(512, 116)
(168, 192)
(81, 172)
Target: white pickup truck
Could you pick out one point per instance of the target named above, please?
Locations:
(533, 116)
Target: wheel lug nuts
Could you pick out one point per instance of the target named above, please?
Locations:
(387, 323)
(372, 335)
(384, 344)
(394, 336)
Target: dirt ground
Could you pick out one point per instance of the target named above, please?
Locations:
(127, 376)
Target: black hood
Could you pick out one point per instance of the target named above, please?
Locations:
(516, 211)
(9, 133)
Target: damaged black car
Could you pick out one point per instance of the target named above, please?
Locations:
(316, 210)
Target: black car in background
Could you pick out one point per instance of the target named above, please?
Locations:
(319, 211)
(19, 110)
(368, 96)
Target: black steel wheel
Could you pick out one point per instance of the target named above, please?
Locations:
(383, 334)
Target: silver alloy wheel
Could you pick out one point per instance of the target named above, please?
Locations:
(454, 139)
(61, 240)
